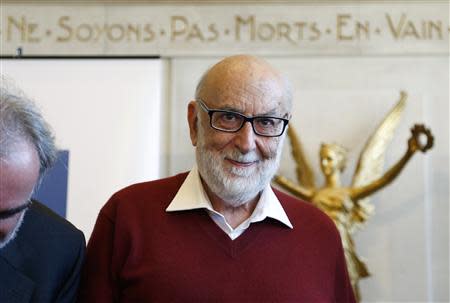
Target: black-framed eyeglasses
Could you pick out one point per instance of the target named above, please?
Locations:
(6, 214)
(231, 122)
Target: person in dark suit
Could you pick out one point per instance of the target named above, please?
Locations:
(41, 254)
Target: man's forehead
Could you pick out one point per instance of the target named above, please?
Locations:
(244, 88)
(243, 99)
(19, 172)
(22, 157)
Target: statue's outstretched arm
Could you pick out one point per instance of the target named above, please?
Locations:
(297, 190)
(414, 145)
(364, 191)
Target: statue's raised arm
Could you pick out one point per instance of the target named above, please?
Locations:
(414, 144)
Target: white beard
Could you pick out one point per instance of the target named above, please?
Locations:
(235, 185)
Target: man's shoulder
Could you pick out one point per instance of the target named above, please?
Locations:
(292, 203)
(304, 213)
(45, 234)
(145, 195)
(153, 187)
(39, 219)
(47, 250)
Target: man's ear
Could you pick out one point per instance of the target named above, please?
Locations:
(193, 121)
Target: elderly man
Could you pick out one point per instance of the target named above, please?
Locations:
(41, 254)
(220, 233)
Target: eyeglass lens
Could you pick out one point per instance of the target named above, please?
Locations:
(230, 121)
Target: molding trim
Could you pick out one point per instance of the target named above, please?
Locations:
(220, 2)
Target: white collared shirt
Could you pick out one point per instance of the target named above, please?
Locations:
(191, 195)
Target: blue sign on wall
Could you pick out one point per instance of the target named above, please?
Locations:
(53, 189)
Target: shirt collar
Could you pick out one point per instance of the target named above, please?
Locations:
(191, 195)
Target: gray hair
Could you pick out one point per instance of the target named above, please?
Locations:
(20, 119)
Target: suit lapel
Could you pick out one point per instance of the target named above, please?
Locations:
(14, 286)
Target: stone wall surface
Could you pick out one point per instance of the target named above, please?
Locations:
(220, 28)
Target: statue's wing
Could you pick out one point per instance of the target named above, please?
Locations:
(305, 175)
(371, 160)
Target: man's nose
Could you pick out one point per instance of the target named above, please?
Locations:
(245, 138)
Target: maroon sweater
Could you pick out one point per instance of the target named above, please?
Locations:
(140, 253)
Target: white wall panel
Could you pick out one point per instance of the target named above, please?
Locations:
(107, 114)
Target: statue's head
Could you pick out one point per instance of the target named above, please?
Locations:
(333, 157)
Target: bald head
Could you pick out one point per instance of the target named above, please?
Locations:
(245, 75)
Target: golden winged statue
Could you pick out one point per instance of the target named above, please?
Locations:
(349, 206)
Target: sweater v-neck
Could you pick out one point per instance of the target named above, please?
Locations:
(233, 248)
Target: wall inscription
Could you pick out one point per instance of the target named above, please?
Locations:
(196, 30)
